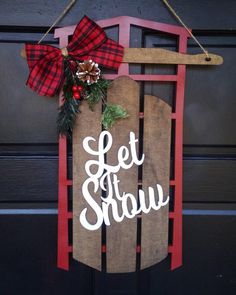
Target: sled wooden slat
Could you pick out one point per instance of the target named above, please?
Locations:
(86, 243)
(121, 237)
(163, 56)
(156, 167)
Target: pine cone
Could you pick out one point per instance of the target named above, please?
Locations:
(88, 71)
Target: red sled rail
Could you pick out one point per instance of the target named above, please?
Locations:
(64, 215)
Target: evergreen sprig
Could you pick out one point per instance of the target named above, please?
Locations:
(67, 116)
(97, 92)
(111, 114)
(92, 94)
(70, 107)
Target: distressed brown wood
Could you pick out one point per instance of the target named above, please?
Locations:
(86, 244)
(121, 237)
(156, 167)
(163, 56)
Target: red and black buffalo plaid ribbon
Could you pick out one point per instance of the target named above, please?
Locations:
(89, 41)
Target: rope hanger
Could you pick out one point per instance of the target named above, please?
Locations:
(210, 59)
(64, 12)
(187, 29)
(68, 7)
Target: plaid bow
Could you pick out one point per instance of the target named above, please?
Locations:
(89, 41)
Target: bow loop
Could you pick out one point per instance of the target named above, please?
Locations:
(87, 36)
(46, 75)
(89, 41)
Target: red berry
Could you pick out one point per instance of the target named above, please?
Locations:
(75, 88)
(80, 88)
(76, 95)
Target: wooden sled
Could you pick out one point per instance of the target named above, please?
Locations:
(121, 238)
(121, 247)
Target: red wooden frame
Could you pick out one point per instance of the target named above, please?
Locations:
(124, 23)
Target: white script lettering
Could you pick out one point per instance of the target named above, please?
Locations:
(106, 179)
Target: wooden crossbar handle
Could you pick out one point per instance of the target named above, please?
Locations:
(163, 56)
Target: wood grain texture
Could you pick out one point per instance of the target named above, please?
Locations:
(34, 178)
(30, 240)
(28, 178)
(28, 251)
(40, 111)
(163, 56)
(204, 91)
(86, 244)
(156, 167)
(204, 15)
(121, 237)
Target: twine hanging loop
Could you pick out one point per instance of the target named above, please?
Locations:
(171, 9)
